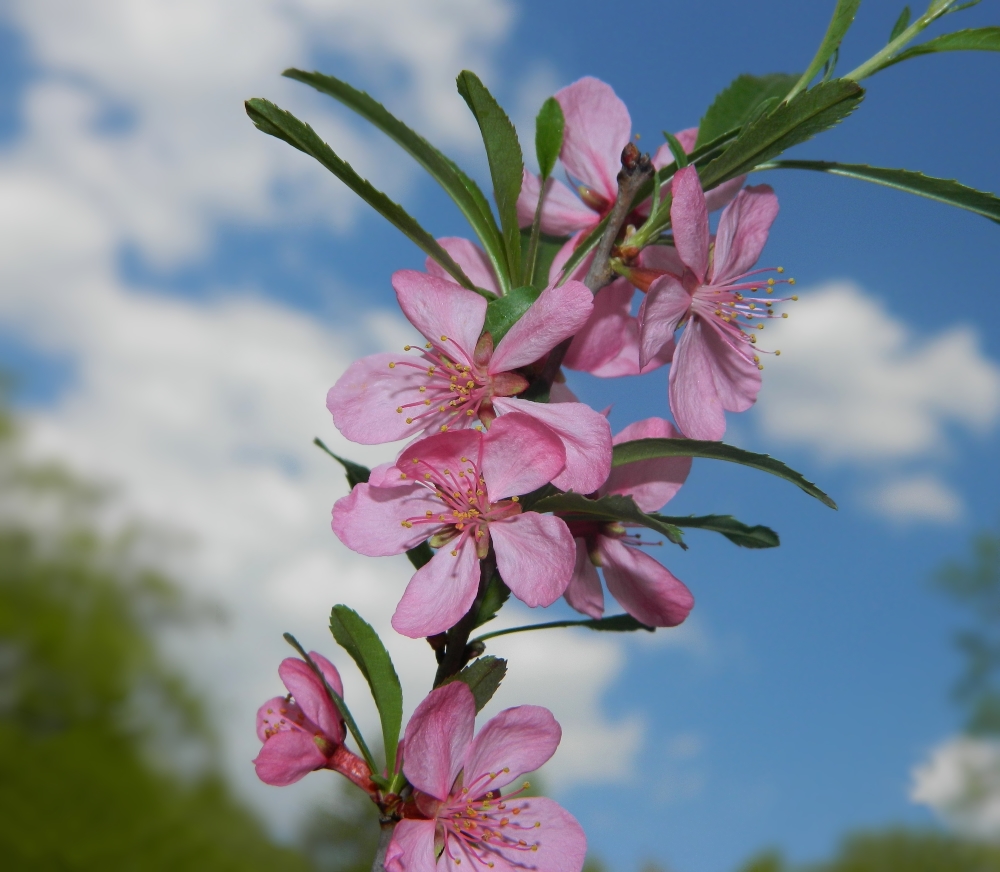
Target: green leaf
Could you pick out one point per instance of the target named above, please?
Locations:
(614, 624)
(546, 249)
(943, 190)
(276, 122)
(610, 508)
(901, 23)
(356, 473)
(495, 595)
(975, 39)
(357, 638)
(420, 555)
(843, 17)
(676, 149)
(645, 449)
(503, 152)
(789, 124)
(462, 190)
(483, 676)
(549, 126)
(735, 531)
(502, 313)
(734, 106)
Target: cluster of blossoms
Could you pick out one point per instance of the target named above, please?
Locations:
(486, 449)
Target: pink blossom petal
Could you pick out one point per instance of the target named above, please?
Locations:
(743, 230)
(388, 475)
(651, 483)
(518, 740)
(562, 845)
(535, 556)
(602, 337)
(662, 257)
(288, 756)
(438, 737)
(412, 847)
(562, 258)
(737, 378)
(626, 362)
(646, 589)
(585, 593)
(440, 451)
(311, 695)
(369, 519)
(511, 440)
(689, 219)
(560, 393)
(666, 304)
(723, 194)
(470, 257)
(694, 399)
(598, 127)
(437, 308)
(556, 315)
(586, 436)
(563, 213)
(440, 592)
(270, 713)
(364, 400)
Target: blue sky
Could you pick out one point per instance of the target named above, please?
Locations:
(813, 678)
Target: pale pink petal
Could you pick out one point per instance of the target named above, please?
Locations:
(288, 756)
(743, 230)
(560, 393)
(438, 737)
(520, 455)
(562, 258)
(470, 257)
(535, 556)
(626, 362)
(737, 378)
(598, 127)
(664, 156)
(440, 451)
(563, 213)
(644, 588)
(556, 315)
(723, 194)
(412, 847)
(271, 713)
(369, 519)
(440, 592)
(666, 304)
(689, 219)
(518, 740)
(388, 475)
(662, 257)
(437, 308)
(586, 436)
(562, 845)
(694, 399)
(310, 694)
(651, 483)
(602, 337)
(585, 593)
(364, 400)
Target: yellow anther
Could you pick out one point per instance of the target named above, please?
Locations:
(784, 314)
(781, 269)
(753, 339)
(753, 290)
(454, 554)
(409, 420)
(464, 459)
(770, 290)
(777, 353)
(444, 428)
(526, 785)
(753, 305)
(399, 410)
(406, 348)
(756, 359)
(429, 514)
(770, 281)
(402, 475)
(427, 402)
(760, 326)
(537, 824)
(457, 495)
(768, 304)
(406, 524)
(430, 370)
(517, 811)
(534, 847)
(442, 408)
(416, 460)
(795, 296)
(447, 472)
(428, 345)
(760, 366)
(392, 366)
(791, 281)
(469, 412)
(423, 389)
(444, 338)
(427, 476)
(506, 768)
(515, 500)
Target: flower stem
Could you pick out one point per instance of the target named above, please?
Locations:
(457, 651)
(387, 825)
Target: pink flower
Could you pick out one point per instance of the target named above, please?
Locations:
(716, 365)
(304, 731)
(463, 818)
(598, 127)
(459, 379)
(460, 490)
(646, 590)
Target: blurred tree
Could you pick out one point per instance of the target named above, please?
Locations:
(95, 731)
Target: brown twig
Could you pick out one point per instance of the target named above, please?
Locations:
(456, 651)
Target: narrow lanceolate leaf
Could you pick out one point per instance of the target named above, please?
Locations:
(483, 676)
(503, 313)
(943, 190)
(277, 122)
(546, 249)
(356, 473)
(615, 507)
(495, 595)
(734, 106)
(549, 127)
(677, 150)
(901, 23)
(614, 624)
(503, 152)
(976, 39)
(843, 17)
(645, 449)
(735, 531)
(463, 190)
(357, 638)
(788, 124)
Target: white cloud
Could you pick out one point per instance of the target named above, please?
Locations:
(961, 782)
(920, 498)
(855, 383)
